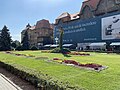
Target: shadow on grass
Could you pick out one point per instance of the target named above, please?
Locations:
(66, 55)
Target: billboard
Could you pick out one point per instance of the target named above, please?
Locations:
(111, 27)
(83, 31)
(99, 29)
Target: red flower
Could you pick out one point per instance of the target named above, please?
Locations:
(56, 59)
(71, 62)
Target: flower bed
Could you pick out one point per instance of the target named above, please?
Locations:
(92, 66)
(58, 60)
(8, 52)
(81, 54)
(16, 54)
(71, 62)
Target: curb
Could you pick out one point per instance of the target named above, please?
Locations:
(14, 85)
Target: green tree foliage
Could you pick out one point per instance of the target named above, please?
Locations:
(33, 48)
(5, 39)
(25, 41)
(19, 48)
(108, 47)
(61, 38)
(60, 49)
(15, 44)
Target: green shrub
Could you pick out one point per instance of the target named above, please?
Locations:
(58, 50)
(65, 51)
(43, 83)
(33, 48)
(19, 48)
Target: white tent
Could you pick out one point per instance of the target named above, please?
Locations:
(48, 45)
(97, 45)
(115, 44)
(67, 45)
(54, 45)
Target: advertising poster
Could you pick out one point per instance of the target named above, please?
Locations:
(111, 27)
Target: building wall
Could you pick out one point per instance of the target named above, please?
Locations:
(89, 26)
(94, 8)
(40, 34)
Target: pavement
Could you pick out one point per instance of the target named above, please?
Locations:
(6, 84)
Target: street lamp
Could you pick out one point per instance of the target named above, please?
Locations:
(56, 40)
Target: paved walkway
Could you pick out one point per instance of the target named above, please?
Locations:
(6, 84)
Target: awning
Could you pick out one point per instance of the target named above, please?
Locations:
(54, 45)
(115, 44)
(67, 45)
(97, 44)
(48, 45)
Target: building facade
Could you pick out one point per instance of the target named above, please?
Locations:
(39, 34)
(98, 21)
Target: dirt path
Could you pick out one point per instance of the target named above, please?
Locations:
(21, 83)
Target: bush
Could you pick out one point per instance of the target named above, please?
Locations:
(33, 48)
(19, 48)
(40, 80)
(45, 51)
(58, 50)
(66, 51)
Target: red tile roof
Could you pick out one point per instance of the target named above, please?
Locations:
(32, 27)
(65, 14)
(42, 23)
(74, 16)
(91, 3)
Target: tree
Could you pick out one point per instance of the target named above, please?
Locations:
(0, 41)
(61, 38)
(15, 44)
(33, 48)
(5, 39)
(108, 47)
(25, 41)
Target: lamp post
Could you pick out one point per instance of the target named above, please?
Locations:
(56, 40)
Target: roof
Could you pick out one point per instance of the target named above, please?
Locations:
(115, 44)
(65, 14)
(42, 23)
(54, 45)
(74, 16)
(48, 45)
(91, 3)
(32, 27)
(67, 45)
(98, 44)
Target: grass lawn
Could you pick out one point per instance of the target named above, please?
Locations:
(108, 79)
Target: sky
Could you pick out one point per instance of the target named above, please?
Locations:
(16, 14)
